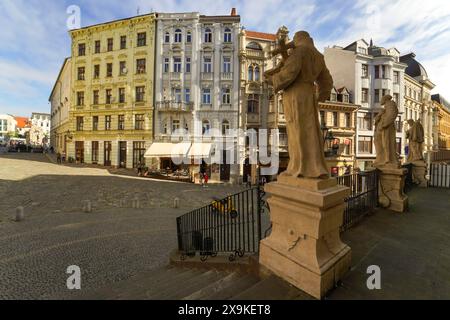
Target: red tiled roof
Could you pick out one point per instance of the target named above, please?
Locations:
(261, 35)
(21, 122)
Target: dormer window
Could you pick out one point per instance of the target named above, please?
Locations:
(362, 50)
(333, 97)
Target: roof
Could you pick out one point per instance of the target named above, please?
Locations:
(115, 21)
(414, 69)
(21, 122)
(261, 35)
(57, 79)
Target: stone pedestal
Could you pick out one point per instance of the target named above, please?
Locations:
(390, 192)
(419, 172)
(304, 247)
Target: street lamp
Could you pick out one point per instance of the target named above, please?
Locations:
(328, 140)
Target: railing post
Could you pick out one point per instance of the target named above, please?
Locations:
(258, 218)
(179, 235)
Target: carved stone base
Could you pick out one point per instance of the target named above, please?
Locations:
(304, 247)
(392, 183)
(419, 172)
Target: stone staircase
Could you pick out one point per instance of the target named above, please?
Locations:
(182, 283)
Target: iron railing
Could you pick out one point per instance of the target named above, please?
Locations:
(232, 225)
(363, 198)
(439, 175)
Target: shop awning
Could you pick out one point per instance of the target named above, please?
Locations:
(200, 150)
(167, 150)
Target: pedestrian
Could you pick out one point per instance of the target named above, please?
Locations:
(58, 158)
(206, 178)
(63, 156)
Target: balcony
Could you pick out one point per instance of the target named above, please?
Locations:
(226, 76)
(176, 76)
(254, 53)
(207, 76)
(174, 106)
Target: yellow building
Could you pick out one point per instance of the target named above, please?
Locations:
(442, 128)
(111, 118)
(338, 115)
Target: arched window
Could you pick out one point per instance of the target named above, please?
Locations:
(208, 35)
(253, 103)
(225, 127)
(189, 37)
(205, 126)
(167, 37)
(227, 35)
(257, 73)
(178, 36)
(250, 73)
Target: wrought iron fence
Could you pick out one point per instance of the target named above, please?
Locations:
(439, 175)
(363, 198)
(232, 225)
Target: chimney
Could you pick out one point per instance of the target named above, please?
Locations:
(233, 12)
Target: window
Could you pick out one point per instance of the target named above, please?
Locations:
(225, 127)
(365, 122)
(377, 72)
(207, 65)
(335, 118)
(178, 36)
(208, 35)
(141, 39)
(80, 123)
(110, 44)
(253, 103)
(189, 37)
(323, 120)
(227, 35)
(227, 64)
(177, 94)
(396, 98)
(121, 95)
(94, 151)
(109, 70)
(345, 98)
(384, 72)
(107, 123)
(365, 144)
(206, 96)
(257, 73)
(347, 147)
(95, 97)
(226, 96)
(399, 145)
(122, 68)
(139, 122)
(175, 125)
(396, 77)
(97, 46)
(362, 50)
(166, 65)
(377, 95)
(333, 97)
(167, 37)
(96, 71)
(123, 42)
(80, 98)
(365, 95)
(348, 120)
(95, 123)
(205, 126)
(138, 153)
(365, 71)
(188, 65)
(187, 95)
(81, 49)
(140, 93)
(140, 66)
(381, 72)
(81, 71)
(108, 96)
(121, 122)
(177, 64)
(250, 73)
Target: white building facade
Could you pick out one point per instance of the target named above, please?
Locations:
(197, 89)
(40, 129)
(7, 126)
(369, 72)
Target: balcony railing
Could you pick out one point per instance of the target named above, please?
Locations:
(207, 75)
(175, 76)
(173, 105)
(255, 53)
(226, 76)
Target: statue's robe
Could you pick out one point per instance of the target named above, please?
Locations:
(304, 67)
(386, 136)
(416, 138)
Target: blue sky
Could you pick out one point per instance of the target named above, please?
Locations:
(34, 39)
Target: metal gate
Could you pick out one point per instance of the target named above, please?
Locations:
(439, 175)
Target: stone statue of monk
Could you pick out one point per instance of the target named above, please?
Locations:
(416, 138)
(298, 75)
(385, 134)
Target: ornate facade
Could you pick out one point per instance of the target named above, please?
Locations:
(442, 128)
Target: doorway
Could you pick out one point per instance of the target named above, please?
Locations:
(225, 166)
(107, 153)
(122, 154)
(79, 151)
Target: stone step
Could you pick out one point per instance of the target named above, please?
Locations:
(272, 288)
(215, 287)
(192, 285)
(234, 287)
(154, 285)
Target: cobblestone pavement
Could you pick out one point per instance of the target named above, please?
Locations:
(112, 243)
